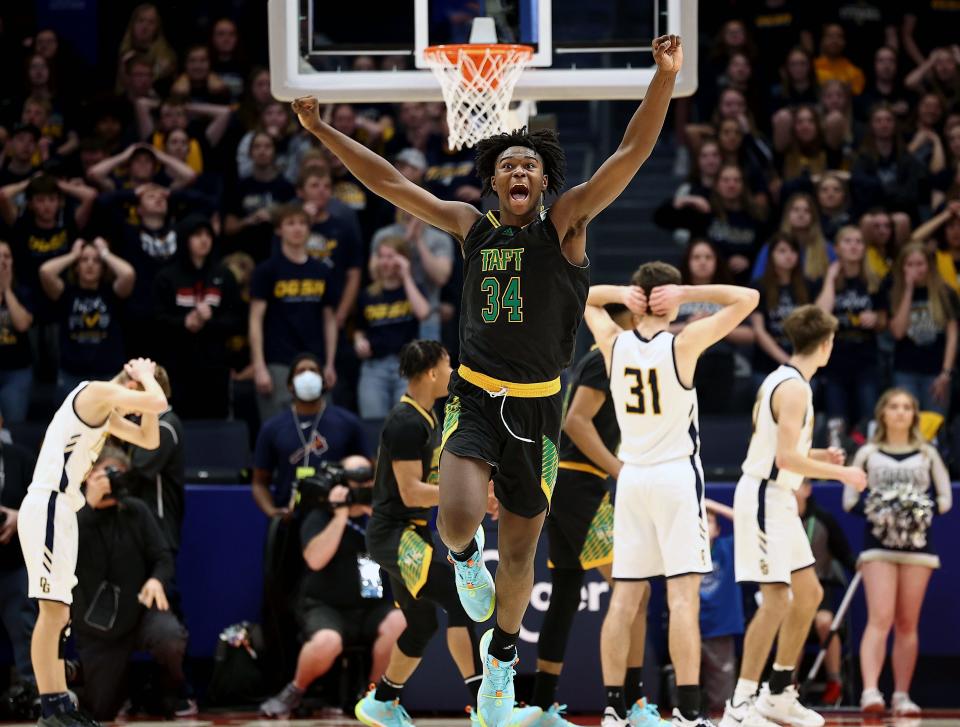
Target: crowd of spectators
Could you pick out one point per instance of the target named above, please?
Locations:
(178, 211)
(822, 155)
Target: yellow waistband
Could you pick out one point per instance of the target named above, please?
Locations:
(523, 391)
(419, 523)
(583, 467)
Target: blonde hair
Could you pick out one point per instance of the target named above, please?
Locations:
(937, 297)
(880, 436)
(161, 376)
(812, 242)
(160, 54)
(870, 279)
(397, 244)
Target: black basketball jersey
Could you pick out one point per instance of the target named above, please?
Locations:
(591, 371)
(522, 301)
(410, 432)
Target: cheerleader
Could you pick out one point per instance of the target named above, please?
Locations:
(898, 557)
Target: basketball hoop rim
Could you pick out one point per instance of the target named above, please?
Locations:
(449, 53)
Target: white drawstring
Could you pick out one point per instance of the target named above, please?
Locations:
(503, 393)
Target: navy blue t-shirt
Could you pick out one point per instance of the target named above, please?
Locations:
(279, 449)
(91, 343)
(14, 345)
(387, 319)
(721, 605)
(296, 294)
(335, 243)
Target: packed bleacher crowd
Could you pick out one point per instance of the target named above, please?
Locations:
(165, 205)
(821, 154)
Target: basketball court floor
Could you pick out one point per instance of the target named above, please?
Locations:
(934, 718)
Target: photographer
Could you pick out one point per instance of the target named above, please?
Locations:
(18, 612)
(309, 432)
(157, 475)
(341, 599)
(120, 601)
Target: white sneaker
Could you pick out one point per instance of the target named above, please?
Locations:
(744, 715)
(871, 702)
(786, 709)
(680, 721)
(903, 706)
(612, 719)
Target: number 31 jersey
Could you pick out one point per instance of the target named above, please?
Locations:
(658, 415)
(522, 301)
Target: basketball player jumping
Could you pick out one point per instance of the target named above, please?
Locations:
(525, 283)
(48, 521)
(660, 523)
(771, 547)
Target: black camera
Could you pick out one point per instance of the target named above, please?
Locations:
(313, 491)
(119, 482)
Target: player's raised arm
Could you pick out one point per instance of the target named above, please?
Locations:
(382, 178)
(583, 202)
(102, 399)
(789, 404)
(601, 325)
(698, 336)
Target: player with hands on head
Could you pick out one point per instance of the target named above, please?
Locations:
(526, 275)
(91, 412)
(659, 523)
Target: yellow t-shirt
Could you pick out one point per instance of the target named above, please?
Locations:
(840, 69)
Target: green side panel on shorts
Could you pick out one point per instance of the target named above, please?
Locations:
(598, 547)
(413, 557)
(548, 467)
(451, 418)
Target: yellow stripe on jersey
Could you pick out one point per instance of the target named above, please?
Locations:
(522, 391)
(493, 219)
(583, 467)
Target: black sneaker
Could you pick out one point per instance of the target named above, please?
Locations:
(73, 718)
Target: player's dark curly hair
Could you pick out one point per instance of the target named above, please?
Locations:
(544, 142)
(419, 356)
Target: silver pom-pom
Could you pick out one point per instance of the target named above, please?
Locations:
(900, 514)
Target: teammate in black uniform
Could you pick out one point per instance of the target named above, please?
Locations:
(399, 539)
(580, 521)
(525, 286)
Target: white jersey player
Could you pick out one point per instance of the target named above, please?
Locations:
(47, 521)
(660, 526)
(770, 544)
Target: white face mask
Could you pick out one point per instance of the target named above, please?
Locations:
(308, 385)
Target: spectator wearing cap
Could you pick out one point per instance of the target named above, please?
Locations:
(20, 154)
(140, 164)
(197, 309)
(431, 251)
(296, 439)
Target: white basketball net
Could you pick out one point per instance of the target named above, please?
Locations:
(477, 86)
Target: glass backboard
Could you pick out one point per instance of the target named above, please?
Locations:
(583, 49)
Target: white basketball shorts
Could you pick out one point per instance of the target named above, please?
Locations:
(768, 537)
(659, 522)
(48, 536)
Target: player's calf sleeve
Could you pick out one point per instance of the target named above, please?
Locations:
(564, 603)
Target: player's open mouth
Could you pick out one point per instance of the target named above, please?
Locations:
(519, 192)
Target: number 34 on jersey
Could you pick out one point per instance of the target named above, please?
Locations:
(502, 298)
